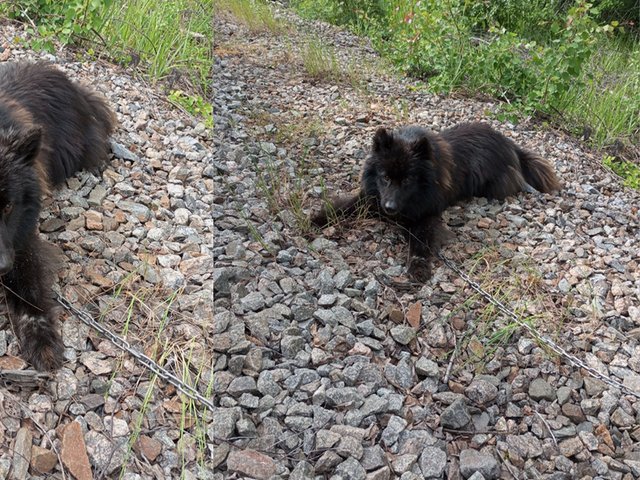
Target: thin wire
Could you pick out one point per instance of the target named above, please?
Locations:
(149, 363)
(542, 338)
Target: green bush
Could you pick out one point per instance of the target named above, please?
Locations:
(67, 21)
(456, 45)
(363, 16)
(629, 171)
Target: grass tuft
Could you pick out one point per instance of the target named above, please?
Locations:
(253, 14)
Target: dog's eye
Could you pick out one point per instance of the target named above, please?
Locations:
(386, 178)
(7, 209)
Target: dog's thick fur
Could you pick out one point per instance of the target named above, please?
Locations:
(412, 175)
(49, 129)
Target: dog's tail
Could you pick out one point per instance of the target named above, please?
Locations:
(538, 172)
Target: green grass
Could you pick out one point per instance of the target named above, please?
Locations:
(516, 283)
(167, 41)
(608, 103)
(629, 171)
(195, 105)
(171, 41)
(256, 15)
(320, 61)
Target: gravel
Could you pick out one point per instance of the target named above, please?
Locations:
(355, 381)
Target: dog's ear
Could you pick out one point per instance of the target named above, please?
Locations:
(382, 140)
(25, 144)
(422, 147)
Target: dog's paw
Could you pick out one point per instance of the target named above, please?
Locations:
(41, 345)
(419, 269)
(320, 219)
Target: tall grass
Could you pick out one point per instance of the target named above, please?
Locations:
(254, 14)
(609, 102)
(170, 40)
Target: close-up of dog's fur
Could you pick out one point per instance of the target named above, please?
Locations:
(412, 175)
(50, 127)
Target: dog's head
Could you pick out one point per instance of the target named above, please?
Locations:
(19, 188)
(399, 170)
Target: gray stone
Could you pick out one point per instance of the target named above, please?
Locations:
(594, 386)
(120, 151)
(241, 385)
(251, 463)
(253, 301)
(427, 368)
(481, 392)
(106, 454)
(622, 419)
(394, 427)
(302, 471)
(456, 415)
(327, 462)
(402, 334)
(563, 394)
(372, 457)
(401, 374)
(433, 462)
(525, 445)
(225, 421)
(290, 346)
(539, 389)
(351, 469)
(344, 396)
(383, 473)
(571, 446)
(404, 463)
(472, 461)
(374, 404)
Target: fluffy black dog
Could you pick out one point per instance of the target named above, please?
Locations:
(49, 129)
(412, 175)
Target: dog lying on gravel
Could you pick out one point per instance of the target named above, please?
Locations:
(412, 175)
(49, 129)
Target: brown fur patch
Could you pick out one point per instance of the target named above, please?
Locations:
(445, 165)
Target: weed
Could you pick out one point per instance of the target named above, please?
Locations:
(195, 105)
(147, 318)
(320, 61)
(554, 59)
(285, 190)
(254, 14)
(629, 171)
(49, 20)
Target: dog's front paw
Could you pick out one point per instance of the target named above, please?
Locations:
(41, 345)
(419, 269)
(320, 219)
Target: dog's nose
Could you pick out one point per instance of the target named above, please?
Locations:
(390, 206)
(6, 263)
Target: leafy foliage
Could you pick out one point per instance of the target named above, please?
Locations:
(65, 21)
(195, 105)
(627, 170)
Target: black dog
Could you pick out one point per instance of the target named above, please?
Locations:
(49, 129)
(413, 175)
